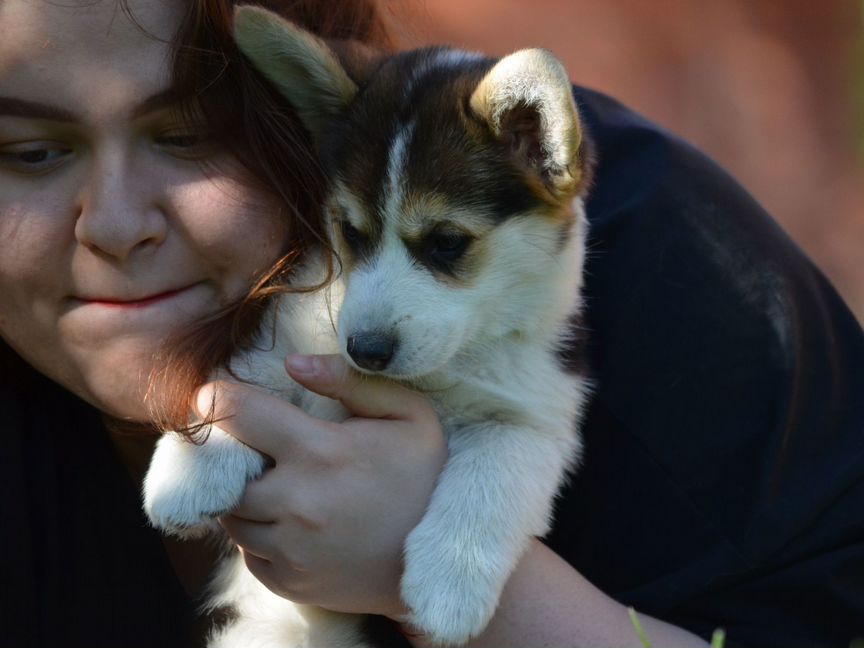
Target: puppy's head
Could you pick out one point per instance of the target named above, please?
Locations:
(456, 184)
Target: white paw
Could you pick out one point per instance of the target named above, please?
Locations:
(187, 486)
(452, 587)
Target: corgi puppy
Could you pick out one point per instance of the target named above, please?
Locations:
(456, 207)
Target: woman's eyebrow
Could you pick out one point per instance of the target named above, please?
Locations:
(14, 107)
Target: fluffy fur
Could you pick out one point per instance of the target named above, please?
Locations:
(456, 205)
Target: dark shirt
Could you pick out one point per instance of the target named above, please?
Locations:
(79, 567)
(722, 482)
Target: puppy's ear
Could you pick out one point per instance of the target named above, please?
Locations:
(301, 66)
(527, 102)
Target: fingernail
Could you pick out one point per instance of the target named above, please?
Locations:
(304, 364)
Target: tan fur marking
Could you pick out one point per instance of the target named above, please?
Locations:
(421, 212)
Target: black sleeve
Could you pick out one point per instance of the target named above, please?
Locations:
(723, 479)
(79, 566)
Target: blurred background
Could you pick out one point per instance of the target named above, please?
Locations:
(771, 89)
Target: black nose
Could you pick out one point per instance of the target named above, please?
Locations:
(372, 351)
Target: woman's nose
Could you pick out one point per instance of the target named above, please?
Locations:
(120, 212)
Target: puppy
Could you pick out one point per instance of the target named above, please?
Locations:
(456, 206)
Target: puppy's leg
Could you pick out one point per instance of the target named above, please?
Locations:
(494, 494)
(188, 485)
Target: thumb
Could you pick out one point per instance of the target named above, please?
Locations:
(365, 396)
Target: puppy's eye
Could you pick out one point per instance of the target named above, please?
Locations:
(353, 237)
(446, 248)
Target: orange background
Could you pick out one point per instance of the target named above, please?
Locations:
(765, 87)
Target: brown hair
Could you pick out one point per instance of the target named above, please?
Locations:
(258, 126)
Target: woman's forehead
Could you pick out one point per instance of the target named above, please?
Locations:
(104, 24)
(76, 55)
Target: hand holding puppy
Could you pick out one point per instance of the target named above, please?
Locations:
(304, 526)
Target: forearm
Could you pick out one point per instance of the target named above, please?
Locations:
(546, 603)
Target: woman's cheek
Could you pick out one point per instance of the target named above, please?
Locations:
(242, 231)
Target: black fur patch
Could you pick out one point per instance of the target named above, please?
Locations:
(452, 153)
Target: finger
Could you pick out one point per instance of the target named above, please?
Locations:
(274, 497)
(286, 580)
(255, 509)
(221, 400)
(265, 544)
(366, 396)
(254, 537)
(262, 421)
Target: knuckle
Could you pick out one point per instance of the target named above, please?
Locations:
(302, 506)
(310, 517)
(339, 374)
(330, 447)
(291, 591)
(276, 581)
(422, 411)
(424, 408)
(219, 399)
(314, 511)
(336, 366)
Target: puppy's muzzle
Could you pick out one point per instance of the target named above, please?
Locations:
(372, 351)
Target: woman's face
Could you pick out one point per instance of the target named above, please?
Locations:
(112, 233)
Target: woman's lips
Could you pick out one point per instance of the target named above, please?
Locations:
(136, 303)
(109, 314)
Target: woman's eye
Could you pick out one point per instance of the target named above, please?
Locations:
(187, 144)
(38, 157)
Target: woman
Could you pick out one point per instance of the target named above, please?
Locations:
(722, 483)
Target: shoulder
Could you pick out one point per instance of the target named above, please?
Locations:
(723, 455)
(689, 280)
